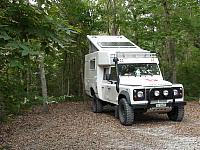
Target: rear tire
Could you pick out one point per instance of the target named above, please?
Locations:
(126, 113)
(176, 114)
(97, 105)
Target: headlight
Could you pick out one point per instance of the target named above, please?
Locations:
(140, 94)
(175, 92)
(156, 93)
(165, 92)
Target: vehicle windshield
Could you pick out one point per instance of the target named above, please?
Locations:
(139, 69)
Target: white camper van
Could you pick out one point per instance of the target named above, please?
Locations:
(119, 73)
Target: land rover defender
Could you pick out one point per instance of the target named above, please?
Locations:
(119, 73)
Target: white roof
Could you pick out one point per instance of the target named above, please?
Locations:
(114, 43)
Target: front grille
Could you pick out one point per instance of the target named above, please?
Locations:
(150, 94)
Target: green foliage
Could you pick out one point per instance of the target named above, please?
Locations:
(189, 75)
(34, 30)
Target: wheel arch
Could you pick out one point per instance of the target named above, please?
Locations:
(124, 94)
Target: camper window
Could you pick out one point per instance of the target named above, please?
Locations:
(92, 64)
(106, 75)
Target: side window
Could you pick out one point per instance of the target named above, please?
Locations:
(113, 74)
(92, 64)
(106, 74)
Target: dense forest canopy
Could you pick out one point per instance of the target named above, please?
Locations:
(43, 43)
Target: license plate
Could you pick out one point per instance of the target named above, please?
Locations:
(161, 105)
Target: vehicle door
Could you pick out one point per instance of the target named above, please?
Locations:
(105, 84)
(111, 86)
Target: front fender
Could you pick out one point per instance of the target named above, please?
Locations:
(124, 94)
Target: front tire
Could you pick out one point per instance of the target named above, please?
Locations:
(176, 114)
(97, 105)
(126, 113)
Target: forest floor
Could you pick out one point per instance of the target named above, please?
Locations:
(72, 125)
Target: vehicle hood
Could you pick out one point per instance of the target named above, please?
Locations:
(143, 81)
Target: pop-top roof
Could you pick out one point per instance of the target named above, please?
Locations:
(118, 43)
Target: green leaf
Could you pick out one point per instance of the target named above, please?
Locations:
(35, 53)
(13, 44)
(4, 35)
(24, 47)
(25, 53)
(16, 63)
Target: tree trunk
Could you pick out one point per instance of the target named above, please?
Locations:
(2, 107)
(113, 27)
(170, 45)
(82, 83)
(170, 42)
(43, 83)
(68, 73)
(28, 76)
(64, 74)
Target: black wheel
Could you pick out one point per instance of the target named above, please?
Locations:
(126, 113)
(97, 105)
(176, 114)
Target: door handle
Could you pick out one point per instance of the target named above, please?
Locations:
(109, 88)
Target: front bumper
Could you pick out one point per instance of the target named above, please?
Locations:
(148, 106)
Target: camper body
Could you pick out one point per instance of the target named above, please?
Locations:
(119, 73)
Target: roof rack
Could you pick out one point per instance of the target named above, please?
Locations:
(135, 55)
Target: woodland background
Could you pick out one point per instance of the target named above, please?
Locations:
(43, 43)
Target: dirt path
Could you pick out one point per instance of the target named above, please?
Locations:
(72, 125)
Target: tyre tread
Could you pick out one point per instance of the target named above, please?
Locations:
(97, 105)
(128, 118)
(176, 114)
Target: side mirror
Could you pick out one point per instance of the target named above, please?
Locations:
(115, 59)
